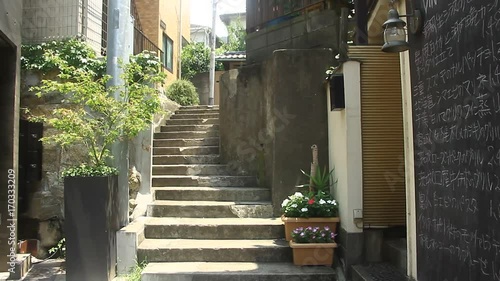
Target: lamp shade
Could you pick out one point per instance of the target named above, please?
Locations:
(394, 33)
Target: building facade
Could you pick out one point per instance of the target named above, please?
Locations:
(87, 20)
(201, 34)
(415, 144)
(10, 51)
(167, 25)
(448, 87)
(60, 19)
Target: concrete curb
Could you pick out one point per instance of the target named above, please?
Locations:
(127, 242)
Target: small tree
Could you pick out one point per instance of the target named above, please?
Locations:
(196, 59)
(236, 34)
(91, 117)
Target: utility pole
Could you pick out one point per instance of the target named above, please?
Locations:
(119, 47)
(212, 55)
(179, 59)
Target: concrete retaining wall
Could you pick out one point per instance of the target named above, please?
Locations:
(202, 83)
(271, 113)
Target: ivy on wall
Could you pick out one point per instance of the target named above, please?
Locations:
(76, 53)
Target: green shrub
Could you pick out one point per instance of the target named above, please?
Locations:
(183, 92)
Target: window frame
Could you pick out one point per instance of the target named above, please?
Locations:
(165, 41)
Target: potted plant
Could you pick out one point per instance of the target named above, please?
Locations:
(313, 245)
(303, 210)
(315, 205)
(92, 119)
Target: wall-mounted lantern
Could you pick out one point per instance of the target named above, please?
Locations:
(394, 30)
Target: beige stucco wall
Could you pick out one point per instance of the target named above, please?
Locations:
(170, 13)
(153, 12)
(345, 153)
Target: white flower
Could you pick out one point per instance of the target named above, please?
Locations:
(321, 201)
(329, 201)
(298, 194)
(285, 202)
(303, 210)
(294, 206)
(334, 202)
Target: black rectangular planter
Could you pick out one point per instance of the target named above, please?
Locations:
(90, 226)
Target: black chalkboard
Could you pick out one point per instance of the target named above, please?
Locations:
(456, 119)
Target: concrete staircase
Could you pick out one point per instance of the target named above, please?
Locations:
(206, 222)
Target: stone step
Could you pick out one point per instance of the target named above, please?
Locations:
(247, 194)
(208, 121)
(183, 115)
(204, 250)
(210, 209)
(186, 142)
(197, 111)
(189, 128)
(394, 251)
(192, 170)
(185, 159)
(193, 150)
(210, 181)
(188, 107)
(186, 135)
(377, 272)
(232, 271)
(214, 228)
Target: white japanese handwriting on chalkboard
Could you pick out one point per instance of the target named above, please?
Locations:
(456, 119)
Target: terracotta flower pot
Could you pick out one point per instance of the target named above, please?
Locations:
(313, 253)
(292, 223)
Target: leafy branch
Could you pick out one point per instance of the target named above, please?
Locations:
(91, 116)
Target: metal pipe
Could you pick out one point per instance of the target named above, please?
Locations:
(179, 59)
(212, 56)
(119, 47)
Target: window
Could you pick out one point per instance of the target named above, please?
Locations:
(168, 53)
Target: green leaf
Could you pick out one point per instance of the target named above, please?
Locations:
(89, 115)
